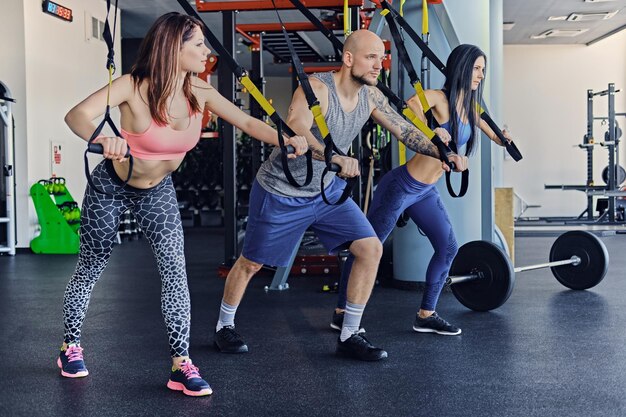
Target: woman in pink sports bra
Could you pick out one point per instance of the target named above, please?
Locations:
(161, 104)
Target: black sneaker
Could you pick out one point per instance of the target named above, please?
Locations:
(358, 347)
(337, 320)
(435, 324)
(228, 340)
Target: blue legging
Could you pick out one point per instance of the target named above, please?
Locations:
(399, 191)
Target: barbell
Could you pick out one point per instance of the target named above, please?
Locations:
(482, 276)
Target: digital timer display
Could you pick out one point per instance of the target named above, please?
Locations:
(57, 10)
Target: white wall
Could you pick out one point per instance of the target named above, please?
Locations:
(59, 68)
(12, 74)
(544, 104)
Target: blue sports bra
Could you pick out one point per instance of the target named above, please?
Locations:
(464, 133)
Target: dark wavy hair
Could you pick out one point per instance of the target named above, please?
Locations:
(158, 62)
(458, 89)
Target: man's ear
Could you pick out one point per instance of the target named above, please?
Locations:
(348, 59)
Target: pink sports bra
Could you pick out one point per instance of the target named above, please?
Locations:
(163, 142)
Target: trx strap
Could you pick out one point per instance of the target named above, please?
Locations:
(244, 79)
(391, 96)
(314, 106)
(425, 69)
(97, 147)
(347, 19)
(510, 146)
(405, 60)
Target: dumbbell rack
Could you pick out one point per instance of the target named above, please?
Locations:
(58, 235)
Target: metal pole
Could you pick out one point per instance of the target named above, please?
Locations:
(462, 278)
(357, 151)
(226, 87)
(574, 260)
(258, 151)
(588, 139)
(611, 185)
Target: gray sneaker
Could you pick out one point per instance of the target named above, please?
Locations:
(435, 324)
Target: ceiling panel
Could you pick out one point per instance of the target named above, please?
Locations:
(531, 18)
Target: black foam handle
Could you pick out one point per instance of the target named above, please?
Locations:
(97, 148)
(335, 168)
(290, 149)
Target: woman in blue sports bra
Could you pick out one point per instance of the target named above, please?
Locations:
(411, 187)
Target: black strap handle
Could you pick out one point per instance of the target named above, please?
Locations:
(444, 150)
(510, 146)
(97, 148)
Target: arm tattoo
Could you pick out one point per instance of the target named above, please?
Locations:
(409, 134)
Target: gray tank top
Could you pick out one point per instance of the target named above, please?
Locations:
(343, 127)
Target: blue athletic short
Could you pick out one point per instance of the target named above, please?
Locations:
(276, 223)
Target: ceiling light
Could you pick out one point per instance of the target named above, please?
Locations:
(559, 33)
(508, 25)
(578, 17)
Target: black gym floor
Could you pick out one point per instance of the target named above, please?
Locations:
(548, 351)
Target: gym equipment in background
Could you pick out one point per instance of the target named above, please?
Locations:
(611, 191)
(7, 178)
(58, 215)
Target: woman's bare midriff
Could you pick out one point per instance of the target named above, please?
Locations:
(425, 169)
(146, 173)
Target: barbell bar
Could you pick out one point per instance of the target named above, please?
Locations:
(574, 260)
(482, 276)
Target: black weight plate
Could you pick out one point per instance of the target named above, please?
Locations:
(594, 259)
(620, 175)
(498, 277)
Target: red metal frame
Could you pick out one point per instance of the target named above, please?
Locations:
(320, 68)
(252, 5)
(387, 60)
(291, 27)
(253, 38)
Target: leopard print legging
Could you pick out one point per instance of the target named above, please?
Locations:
(156, 210)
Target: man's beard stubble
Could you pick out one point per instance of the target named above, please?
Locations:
(360, 79)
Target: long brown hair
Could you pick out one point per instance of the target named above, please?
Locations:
(158, 62)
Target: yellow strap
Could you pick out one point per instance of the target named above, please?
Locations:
(346, 19)
(402, 7)
(424, 17)
(422, 96)
(111, 71)
(319, 120)
(417, 122)
(256, 93)
(401, 154)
